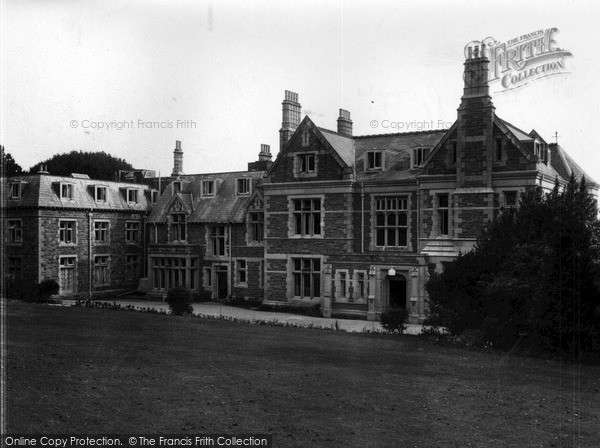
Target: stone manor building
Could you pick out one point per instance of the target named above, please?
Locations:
(354, 224)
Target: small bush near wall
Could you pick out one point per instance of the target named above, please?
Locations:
(46, 289)
(179, 300)
(202, 296)
(393, 320)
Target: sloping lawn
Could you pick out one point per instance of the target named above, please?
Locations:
(74, 370)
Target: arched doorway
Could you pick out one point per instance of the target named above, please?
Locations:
(397, 291)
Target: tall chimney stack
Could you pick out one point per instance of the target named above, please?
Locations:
(265, 153)
(177, 159)
(291, 117)
(344, 123)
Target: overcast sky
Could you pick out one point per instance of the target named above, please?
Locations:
(223, 68)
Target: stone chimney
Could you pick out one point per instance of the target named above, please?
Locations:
(344, 123)
(264, 161)
(291, 117)
(475, 142)
(177, 160)
(265, 153)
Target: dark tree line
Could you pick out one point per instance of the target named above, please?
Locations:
(9, 166)
(97, 165)
(533, 278)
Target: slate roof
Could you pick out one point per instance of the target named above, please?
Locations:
(43, 191)
(342, 144)
(522, 136)
(397, 148)
(226, 206)
(561, 164)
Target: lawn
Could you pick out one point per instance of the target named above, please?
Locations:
(74, 370)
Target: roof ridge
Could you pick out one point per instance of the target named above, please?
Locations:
(393, 134)
(517, 128)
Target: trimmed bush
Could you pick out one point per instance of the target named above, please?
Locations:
(202, 296)
(179, 300)
(393, 320)
(46, 289)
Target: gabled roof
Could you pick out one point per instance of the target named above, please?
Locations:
(343, 145)
(340, 146)
(522, 136)
(43, 190)
(565, 165)
(226, 206)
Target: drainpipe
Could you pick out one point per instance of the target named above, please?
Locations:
(230, 262)
(362, 218)
(90, 261)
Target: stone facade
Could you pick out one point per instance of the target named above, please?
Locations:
(354, 224)
(88, 235)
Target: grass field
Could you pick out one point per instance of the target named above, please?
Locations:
(73, 370)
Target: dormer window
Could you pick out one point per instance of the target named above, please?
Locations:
(154, 196)
(208, 188)
(243, 186)
(374, 160)
(66, 191)
(132, 196)
(100, 194)
(176, 187)
(14, 190)
(418, 157)
(305, 138)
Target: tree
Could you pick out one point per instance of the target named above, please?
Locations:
(11, 168)
(533, 277)
(97, 165)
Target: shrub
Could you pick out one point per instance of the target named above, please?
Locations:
(202, 296)
(179, 300)
(393, 320)
(20, 290)
(46, 289)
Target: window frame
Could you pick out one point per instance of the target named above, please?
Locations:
(211, 191)
(342, 284)
(391, 225)
(308, 227)
(178, 226)
(241, 273)
(104, 268)
(243, 181)
(372, 165)
(443, 214)
(97, 189)
(313, 274)
(135, 193)
(64, 231)
(355, 286)
(14, 231)
(105, 231)
(66, 191)
(216, 240)
(256, 227)
(419, 154)
(135, 231)
(15, 187)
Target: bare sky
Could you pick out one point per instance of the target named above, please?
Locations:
(225, 65)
